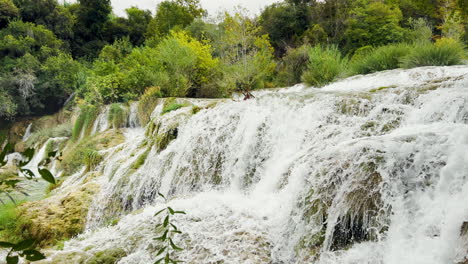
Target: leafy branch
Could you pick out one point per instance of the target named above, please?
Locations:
(24, 249)
(168, 230)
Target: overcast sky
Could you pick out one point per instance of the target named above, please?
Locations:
(213, 6)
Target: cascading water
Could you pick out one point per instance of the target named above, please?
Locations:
(101, 123)
(27, 133)
(371, 169)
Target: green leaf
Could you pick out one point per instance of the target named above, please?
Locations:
(159, 260)
(47, 175)
(176, 231)
(52, 154)
(160, 194)
(175, 227)
(162, 210)
(12, 260)
(167, 258)
(171, 211)
(28, 154)
(179, 212)
(25, 244)
(161, 251)
(166, 221)
(33, 255)
(174, 245)
(6, 244)
(28, 173)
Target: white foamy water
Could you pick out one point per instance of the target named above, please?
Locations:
(372, 169)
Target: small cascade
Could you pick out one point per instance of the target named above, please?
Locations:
(101, 123)
(371, 169)
(133, 121)
(27, 133)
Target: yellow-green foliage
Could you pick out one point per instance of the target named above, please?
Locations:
(85, 121)
(56, 218)
(148, 102)
(117, 116)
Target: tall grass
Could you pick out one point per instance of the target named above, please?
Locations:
(325, 65)
(442, 53)
(148, 102)
(85, 121)
(379, 59)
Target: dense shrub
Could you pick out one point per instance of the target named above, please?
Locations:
(325, 65)
(445, 52)
(42, 135)
(378, 59)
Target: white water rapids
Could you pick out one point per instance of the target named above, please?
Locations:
(372, 169)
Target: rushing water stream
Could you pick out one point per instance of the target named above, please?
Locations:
(372, 169)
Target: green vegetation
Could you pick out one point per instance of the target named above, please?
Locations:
(118, 116)
(140, 160)
(42, 135)
(8, 223)
(378, 59)
(148, 102)
(84, 122)
(325, 65)
(51, 51)
(167, 230)
(443, 53)
(171, 107)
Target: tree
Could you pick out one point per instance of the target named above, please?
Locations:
(92, 16)
(171, 14)
(8, 11)
(138, 21)
(284, 23)
(48, 13)
(247, 56)
(375, 24)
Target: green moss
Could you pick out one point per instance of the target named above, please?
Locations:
(109, 256)
(195, 109)
(117, 116)
(171, 107)
(56, 218)
(140, 160)
(381, 88)
(85, 120)
(163, 139)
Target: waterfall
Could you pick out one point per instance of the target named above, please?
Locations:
(370, 169)
(133, 120)
(101, 123)
(27, 133)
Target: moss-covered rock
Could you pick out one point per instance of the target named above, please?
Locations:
(58, 217)
(109, 256)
